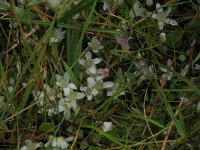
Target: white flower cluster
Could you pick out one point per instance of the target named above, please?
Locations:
(167, 75)
(63, 93)
(108, 3)
(53, 143)
(30, 145)
(143, 70)
(58, 142)
(63, 96)
(161, 16)
(95, 83)
(57, 35)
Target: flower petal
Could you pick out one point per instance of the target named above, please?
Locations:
(109, 93)
(80, 95)
(154, 16)
(96, 61)
(88, 56)
(149, 2)
(161, 25)
(72, 86)
(74, 104)
(107, 126)
(108, 84)
(89, 97)
(66, 91)
(92, 70)
(82, 62)
(91, 82)
(168, 11)
(66, 76)
(173, 22)
(94, 92)
(163, 37)
(159, 8)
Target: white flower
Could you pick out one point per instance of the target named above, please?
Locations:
(95, 85)
(137, 10)
(89, 92)
(12, 24)
(12, 81)
(47, 104)
(184, 99)
(161, 17)
(149, 3)
(21, 3)
(167, 72)
(123, 25)
(90, 63)
(69, 102)
(143, 71)
(73, 96)
(51, 93)
(39, 96)
(163, 37)
(95, 44)
(107, 4)
(63, 82)
(65, 106)
(10, 89)
(75, 2)
(197, 66)
(98, 84)
(185, 70)
(57, 142)
(44, 76)
(53, 4)
(57, 35)
(11, 84)
(107, 126)
(30, 145)
(113, 91)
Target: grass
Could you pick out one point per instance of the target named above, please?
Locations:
(155, 104)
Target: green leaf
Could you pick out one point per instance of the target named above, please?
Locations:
(142, 117)
(83, 5)
(22, 13)
(71, 74)
(194, 25)
(72, 42)
(5, 5)
(174, 39)
(34, 2)
(196, 58)
(3, 129)
(3, 126)
(25, 96)
(113, 139)
(178, 124)
(44, 127)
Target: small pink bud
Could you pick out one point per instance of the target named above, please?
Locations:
(106, 72)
